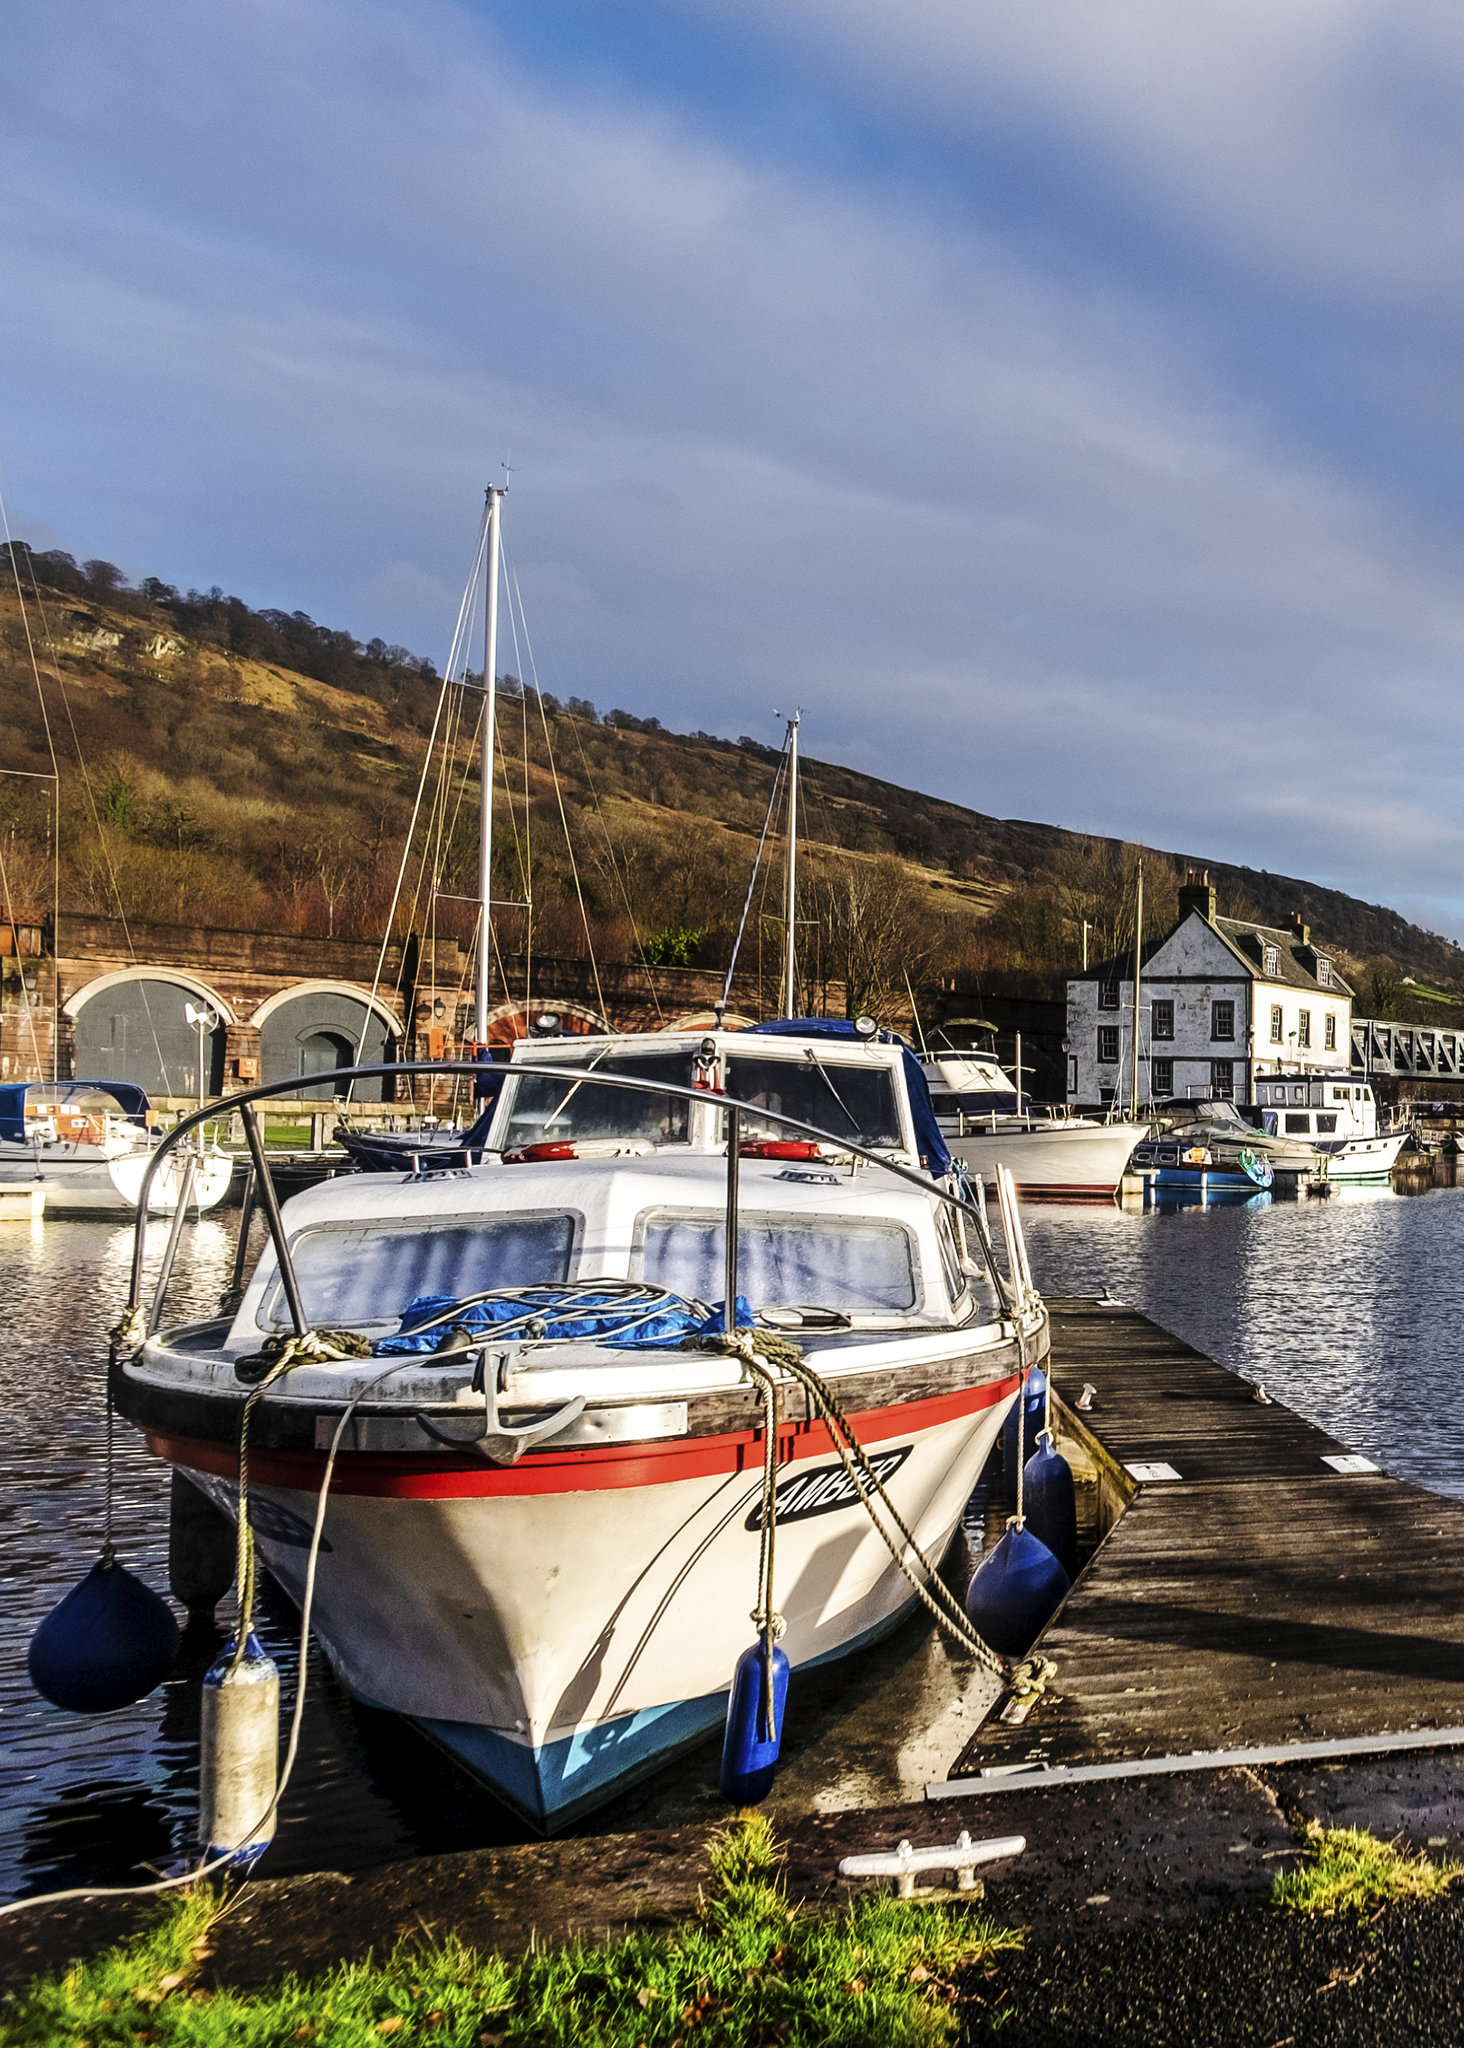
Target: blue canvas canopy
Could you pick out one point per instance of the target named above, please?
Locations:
(928, 1141)
(129, 1098)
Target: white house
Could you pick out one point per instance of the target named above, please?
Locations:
(1221, 1001)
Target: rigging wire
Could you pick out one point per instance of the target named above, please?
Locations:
(516, 597)
(454, 654)
(752, 878)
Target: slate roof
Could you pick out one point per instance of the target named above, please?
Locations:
(1296, 963)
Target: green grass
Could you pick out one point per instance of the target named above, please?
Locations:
(749, 1968)
(1350, 1871)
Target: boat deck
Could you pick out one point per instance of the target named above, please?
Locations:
(1260, 1596)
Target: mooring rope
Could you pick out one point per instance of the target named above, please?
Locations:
(764, 1616)
(762, 1357)
(278, 1355)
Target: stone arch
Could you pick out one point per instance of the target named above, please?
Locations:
(311, 1028)
(510, 1021)
(132, 1025)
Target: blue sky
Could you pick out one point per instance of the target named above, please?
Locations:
(1061, 404)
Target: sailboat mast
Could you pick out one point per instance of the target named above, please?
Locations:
(790, 952)
(1138, 971)
(496, 495)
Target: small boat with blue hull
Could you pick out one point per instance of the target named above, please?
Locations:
(88, 1143)
(542, 1540)
(1183, 1164)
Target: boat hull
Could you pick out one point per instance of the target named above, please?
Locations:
(1366, 1158)
(84, 1181)
(1067, 1160)
(566, 1625)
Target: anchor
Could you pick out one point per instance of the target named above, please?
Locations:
(494, 1439)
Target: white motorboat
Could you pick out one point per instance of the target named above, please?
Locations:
(986, 1124)
(1338, 1114)
(87, 1145)
(542, 1542)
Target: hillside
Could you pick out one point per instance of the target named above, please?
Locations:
(220, 765)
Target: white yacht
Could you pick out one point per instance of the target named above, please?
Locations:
(987, 1124)
(1335, 1112)
(542, 1542)
(86, 1145)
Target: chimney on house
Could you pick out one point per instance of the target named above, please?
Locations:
(1196, 893)
(1302, 929)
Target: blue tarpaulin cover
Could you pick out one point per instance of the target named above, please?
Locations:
(606, 1321)
(928, 1140)
(129, 1098)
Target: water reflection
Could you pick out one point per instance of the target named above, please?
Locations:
(95, 1800)
(1350, 1308)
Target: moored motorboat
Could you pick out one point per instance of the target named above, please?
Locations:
(1218, 1126)
(87, 1144)
(1336, 1112)
(986, 1124)
(1182, 1164)
(542, 1541)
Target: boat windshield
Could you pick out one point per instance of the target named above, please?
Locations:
(782, 1261)
(355, 1273)
(549, 1111)
(846, 1099)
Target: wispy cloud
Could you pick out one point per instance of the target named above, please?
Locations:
(1132, 510)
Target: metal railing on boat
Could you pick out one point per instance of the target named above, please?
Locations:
(263, 1191)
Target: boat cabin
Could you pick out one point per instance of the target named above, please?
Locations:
(38, 1114)
(829, 1251)
(1316, 1106)
(970, 1084)
(863, 1088)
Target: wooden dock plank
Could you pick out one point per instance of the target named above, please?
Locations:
(1261, 1598)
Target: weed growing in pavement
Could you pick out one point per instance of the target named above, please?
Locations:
(750, 1969)
(1350, 1871)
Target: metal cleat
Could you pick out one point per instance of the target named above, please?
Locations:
(905, 1863)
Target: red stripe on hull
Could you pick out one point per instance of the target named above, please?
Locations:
(404, 1476)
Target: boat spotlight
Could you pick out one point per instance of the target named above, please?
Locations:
(866, 1027)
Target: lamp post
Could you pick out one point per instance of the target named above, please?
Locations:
(205, 1020)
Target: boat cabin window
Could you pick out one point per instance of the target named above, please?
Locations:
(1297, 1125)
(1326, 1124)
(782, 1261)
(1341, 1094)
(848, 1101)
(553, 1111)
(354, 1273)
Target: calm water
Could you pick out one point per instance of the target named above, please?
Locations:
(1351, 1310)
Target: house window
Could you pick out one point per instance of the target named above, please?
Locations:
(1222, 1020)
(1108, 995)
(1222, 1079)
(1303, 1028)
(1272, 964)
(1324, 971)
(1162, 1075)
(1276, 1033)
(1161, 1020)
(1108, 1045)
(1329, 1032)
